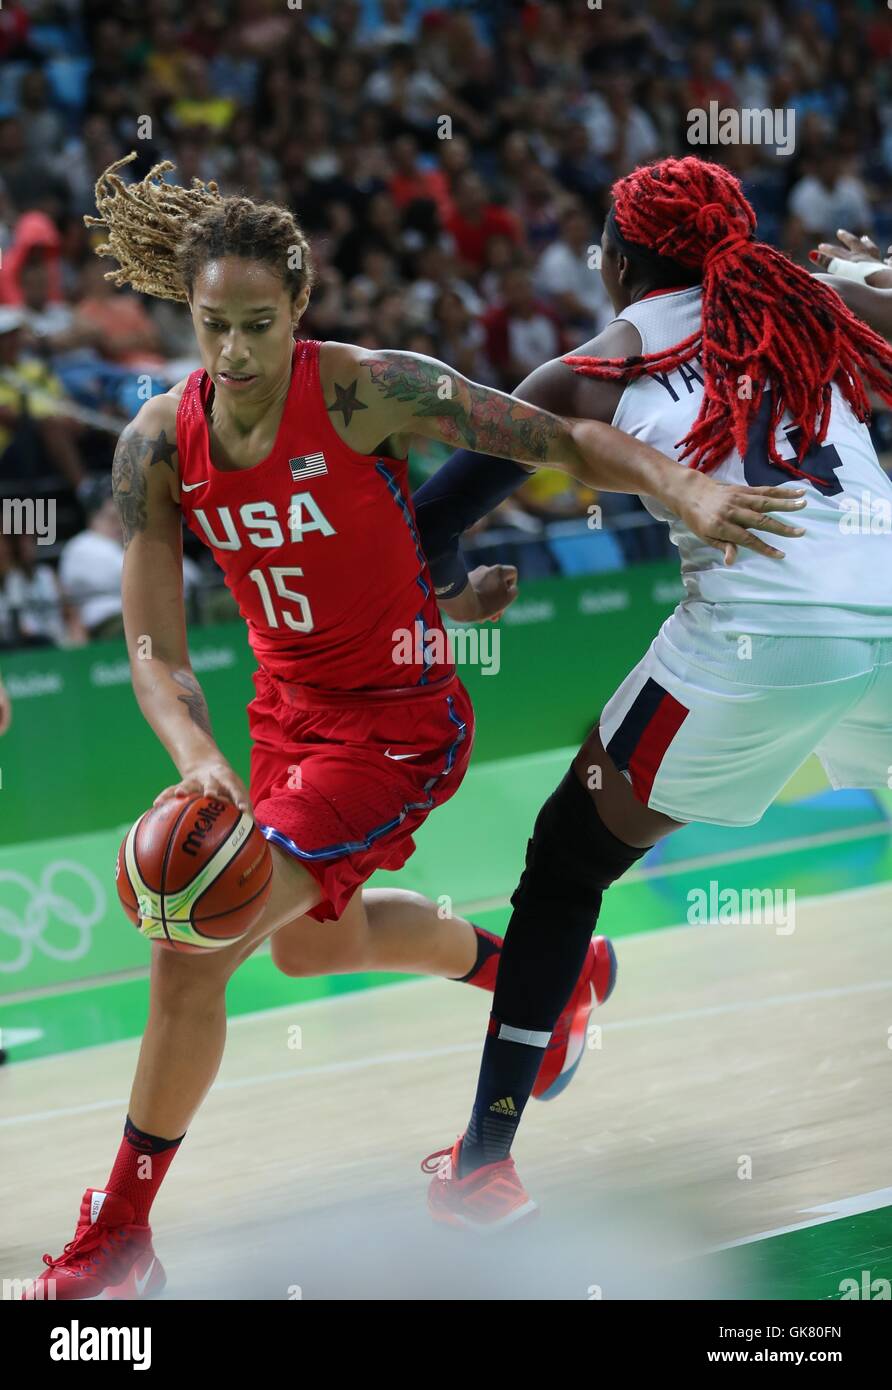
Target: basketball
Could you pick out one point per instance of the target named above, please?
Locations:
(194, 873)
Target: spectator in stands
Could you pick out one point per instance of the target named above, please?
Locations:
(91, 563)
(568, 276)
(411, 97)
(461, 339)
(129, 333)
(551, 495)
(35, 235)
(824, 200)
(385, 25)
(82, 158)
(537, 204)
(30, 180)
(200, 105)
(52, 325)
(475, 220)
(43, 127)
(410, 180)
(521, 332)
(32, 612)
(501, 254)
(37, 432)
(619, 131)
(578, 168)
(435, 272)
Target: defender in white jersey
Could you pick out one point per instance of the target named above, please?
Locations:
(736, 361)
(761, 663)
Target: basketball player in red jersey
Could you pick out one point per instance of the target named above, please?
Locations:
(289, 461)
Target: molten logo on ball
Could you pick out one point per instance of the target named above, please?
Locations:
(204, 822)
(194, 873)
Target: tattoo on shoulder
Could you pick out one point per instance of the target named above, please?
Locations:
(133, 451)
(475, 416)
(194, 701)
(345, 402)
(163, 451)
(129, 483)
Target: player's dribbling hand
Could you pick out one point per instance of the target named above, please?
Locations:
(490, 590)
(724, 515)
(212, 778)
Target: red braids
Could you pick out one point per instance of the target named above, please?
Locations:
(763, 316)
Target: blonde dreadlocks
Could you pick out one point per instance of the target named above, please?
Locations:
(162, 235)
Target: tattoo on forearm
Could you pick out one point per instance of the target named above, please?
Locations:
(195, 702)
(476, 416)
(345, 402)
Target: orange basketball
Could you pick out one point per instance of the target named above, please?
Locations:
(194, 873)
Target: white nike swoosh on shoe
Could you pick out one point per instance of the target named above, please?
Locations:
(399, 757)
(141, 1283)
(190, 487)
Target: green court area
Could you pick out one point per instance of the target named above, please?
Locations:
(844, 1257)
(468, 859)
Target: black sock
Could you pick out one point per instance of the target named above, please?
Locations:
(556, 907)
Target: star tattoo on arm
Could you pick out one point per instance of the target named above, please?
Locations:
(345, 401)
(163, 452)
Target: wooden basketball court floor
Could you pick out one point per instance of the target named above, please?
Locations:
(728, 1132)
(727, 1135)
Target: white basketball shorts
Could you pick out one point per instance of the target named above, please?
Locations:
(711, 726)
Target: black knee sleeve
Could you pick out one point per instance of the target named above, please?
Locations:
(572, 856)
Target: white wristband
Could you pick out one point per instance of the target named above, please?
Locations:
(854, 270)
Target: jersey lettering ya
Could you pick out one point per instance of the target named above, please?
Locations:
(317, 544)
(834, 581)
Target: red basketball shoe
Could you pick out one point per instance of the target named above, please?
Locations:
(487, 1200)
(567, 1044)
(109, 1258)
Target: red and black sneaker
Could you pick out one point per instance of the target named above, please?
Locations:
(488, 1199)
(567, 1043)
(110, 1257)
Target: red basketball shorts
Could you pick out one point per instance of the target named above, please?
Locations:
(341, 780)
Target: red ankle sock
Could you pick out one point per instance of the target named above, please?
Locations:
(142, 1161)
(484, 970)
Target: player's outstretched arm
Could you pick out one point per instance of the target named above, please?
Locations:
(854, 258)
(145, 480)
(414, 394)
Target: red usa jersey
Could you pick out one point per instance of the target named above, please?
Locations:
(318, 545)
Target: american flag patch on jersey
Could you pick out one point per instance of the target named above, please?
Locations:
(307, 466)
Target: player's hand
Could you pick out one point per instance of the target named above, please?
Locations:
(5, 709)
(849, 248)
(213, 777)
(490, 590)
(724, 515)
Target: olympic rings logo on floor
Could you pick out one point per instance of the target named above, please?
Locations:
(45, 906)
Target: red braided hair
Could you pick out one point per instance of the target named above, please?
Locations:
(763, 318)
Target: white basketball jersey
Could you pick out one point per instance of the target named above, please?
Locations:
(837, 579)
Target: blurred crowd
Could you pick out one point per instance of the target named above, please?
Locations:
(451, 165)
